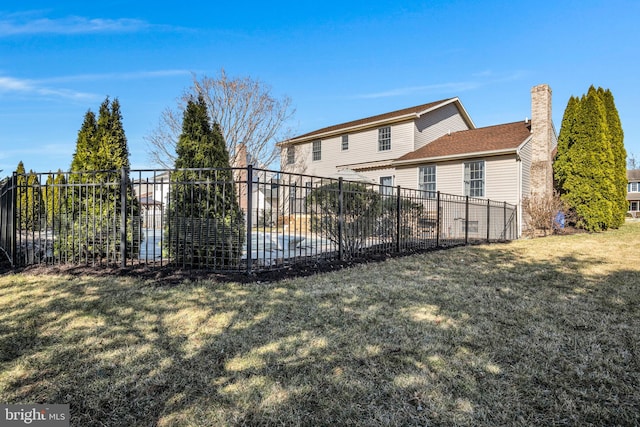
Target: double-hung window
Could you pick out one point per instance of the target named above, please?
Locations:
(633, 187)
(474, 179)
(384, 138)
(291, 155)
(386, 185)
(427, 180)
(317, 150)
(345, 142)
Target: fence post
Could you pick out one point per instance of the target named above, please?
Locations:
(123, 217)
(14, 219)
(340, 219)
(504, 220)
(515, 216)
(438, 219)
(249, 217)
(488, 220)
(398, 217)
(466, 220)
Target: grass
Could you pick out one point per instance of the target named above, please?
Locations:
(535, 332)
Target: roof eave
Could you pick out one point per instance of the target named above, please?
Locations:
(378, 123)
(460, 156)
(343, 131)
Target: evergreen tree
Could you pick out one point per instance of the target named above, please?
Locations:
(206, 224)
(55, 198)
(563, 164)
(30, 208)
(586, 162)
(619, 172)
(101, 152)
(85, 144)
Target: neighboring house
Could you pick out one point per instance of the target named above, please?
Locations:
(151, 212)
(437, 147)
(633, 192)
(153, 194)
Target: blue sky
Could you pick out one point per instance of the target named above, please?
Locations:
(337, 61)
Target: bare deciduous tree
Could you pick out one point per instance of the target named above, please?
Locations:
(632, 162)
(246, 111)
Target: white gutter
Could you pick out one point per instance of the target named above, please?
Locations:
(456, 156)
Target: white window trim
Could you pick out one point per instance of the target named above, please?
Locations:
(318, 151)
(380, 140)
(484, 179)
(291, 155)
(343, 140)
(386, 189)
(431, 193)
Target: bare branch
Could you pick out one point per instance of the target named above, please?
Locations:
(632, 162)
(244, 108)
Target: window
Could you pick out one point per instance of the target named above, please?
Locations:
(474, 179)
(345, 142)
(427, 180)
(291, 155)
(634, 187)
(386, 185)
(473, 226)
(633, 206)
(317, 150)
(384, 138)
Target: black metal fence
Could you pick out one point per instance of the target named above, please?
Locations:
(240, 219)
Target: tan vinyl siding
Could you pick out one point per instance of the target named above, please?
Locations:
(363, 148)
(407, 177)
(501, 179)
(437, 123)
(525, 158)
(449, 177)
(377, 174)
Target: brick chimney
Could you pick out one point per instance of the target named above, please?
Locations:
(542, 130)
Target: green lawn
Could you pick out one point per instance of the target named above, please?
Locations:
(535, 332)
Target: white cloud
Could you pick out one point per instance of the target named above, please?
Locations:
(453, 87)
(46, 86)
(16, 24)
(116, 76)
(33, 87)
(480, 79)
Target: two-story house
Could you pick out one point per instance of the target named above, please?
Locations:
(633, 192)
(436, 147)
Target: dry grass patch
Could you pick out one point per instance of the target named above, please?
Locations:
(536, 332)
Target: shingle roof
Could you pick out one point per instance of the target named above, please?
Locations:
(373, 119)
(491, 138)
(633, 174)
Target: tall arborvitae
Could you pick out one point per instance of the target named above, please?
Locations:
(204, 213)
(22, 209)
(586, 163)
(55, 192)
(563, 164)
(619, 172)
(101, 146)
(111, 142)
(30, 205)
(85, 144)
